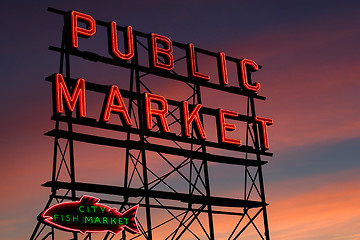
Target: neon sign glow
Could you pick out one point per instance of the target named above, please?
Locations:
(62, 92)
(87, 215)
(166, 51)
(161, 59)
(151, 123)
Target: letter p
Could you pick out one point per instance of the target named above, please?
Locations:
(76, 31)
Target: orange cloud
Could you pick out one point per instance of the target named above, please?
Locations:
(321, 207)
(318, 214)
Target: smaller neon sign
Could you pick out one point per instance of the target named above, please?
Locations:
(87, 215)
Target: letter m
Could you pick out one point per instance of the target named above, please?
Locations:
(61, 92)
(88, 219)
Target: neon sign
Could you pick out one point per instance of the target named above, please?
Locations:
(160, 113)
(166, 52)
(151, 123)
(87, 215)
(161, 59)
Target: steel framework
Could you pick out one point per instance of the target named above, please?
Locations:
(182, 209)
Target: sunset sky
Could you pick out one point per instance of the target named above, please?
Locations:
(310, 54)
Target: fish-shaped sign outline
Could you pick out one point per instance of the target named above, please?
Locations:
(90, 205)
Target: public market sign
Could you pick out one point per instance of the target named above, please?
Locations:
(161, 60)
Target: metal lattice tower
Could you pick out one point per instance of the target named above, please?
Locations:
(181, 209)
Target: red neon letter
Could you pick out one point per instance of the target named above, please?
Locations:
(192, 64)
(111, 107)
(264, 136)
(187, 120)
(128, 40)
(244, 77)
(75, 30)
(164, 52)
(159, 113)
(78, 92)
(223, 75)
(223, 126)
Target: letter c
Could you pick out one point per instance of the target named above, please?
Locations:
(80, 209)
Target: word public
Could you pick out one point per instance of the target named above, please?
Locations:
(159, 46)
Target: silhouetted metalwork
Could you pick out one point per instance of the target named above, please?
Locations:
(181, 214)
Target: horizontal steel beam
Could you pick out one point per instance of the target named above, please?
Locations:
(130, 144)
(159, 206)
(166, 74)
(91, 122)
(132, 192)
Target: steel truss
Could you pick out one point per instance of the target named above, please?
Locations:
(168, 210)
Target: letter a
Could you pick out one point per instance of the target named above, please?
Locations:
(111, 107)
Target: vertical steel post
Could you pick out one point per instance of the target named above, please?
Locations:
(206, 172)
(142, 140)
(261, 180)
